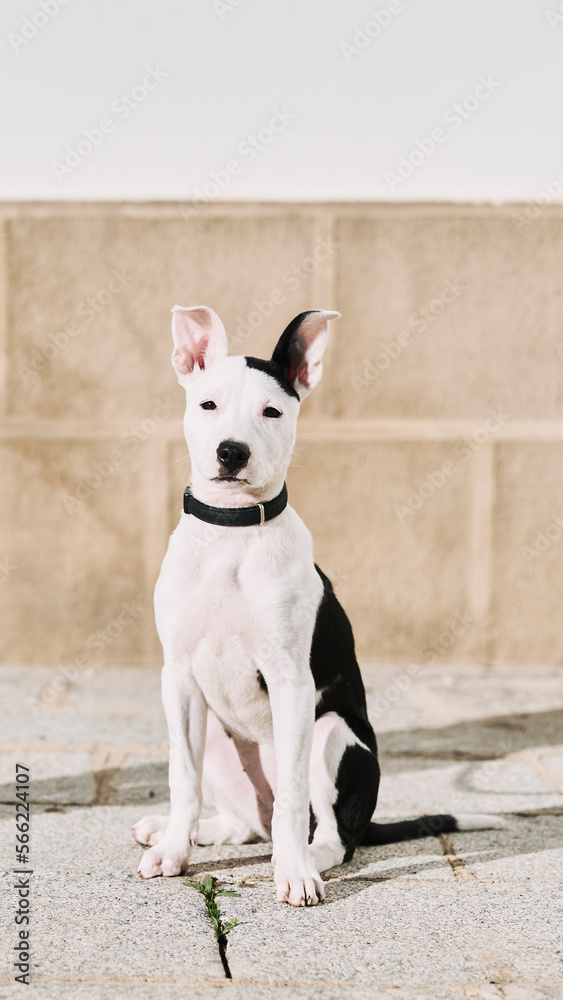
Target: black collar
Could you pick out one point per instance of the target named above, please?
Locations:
(236, 517)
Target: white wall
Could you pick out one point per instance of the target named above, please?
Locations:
(355, 114)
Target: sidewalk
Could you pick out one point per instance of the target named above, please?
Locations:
(469, 915)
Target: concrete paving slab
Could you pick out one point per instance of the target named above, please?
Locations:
(250, 863)
(494, 736)
(408, 934)
(417, 861)
(71, 726)
(528, 848)
(347, 887)
(132, 690)
(538, 866)
(19, 683)
(92, 916)
(119, 925)
(141, 779)
(483, 787)
(434, 697)
(57, 776)
(554, 764)
(142, 990)
(474, 914)
(37, 688)
(114, 705)
(234, 863)
(437, 697)
(77, 841)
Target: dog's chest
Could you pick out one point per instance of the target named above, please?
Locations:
(231, 687)
(225, 657)
(232, 603)
(215, 604)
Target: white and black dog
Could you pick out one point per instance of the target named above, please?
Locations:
(264, 699)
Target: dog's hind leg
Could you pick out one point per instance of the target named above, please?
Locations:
(344, 778)
(222, 829)
(149, 830)
(226, 787)
(243, 811)
(225, 828)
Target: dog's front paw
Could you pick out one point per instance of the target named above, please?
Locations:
(150, 830)
(299, 885)
(165, 859)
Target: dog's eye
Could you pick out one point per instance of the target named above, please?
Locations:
(271, 411)
(208, 405)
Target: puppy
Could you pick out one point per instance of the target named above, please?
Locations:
(264, 699)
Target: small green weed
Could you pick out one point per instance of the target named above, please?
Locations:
(210, 891)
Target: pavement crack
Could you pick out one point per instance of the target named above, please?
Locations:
(222, 944)
(209, 887)
(462, 873)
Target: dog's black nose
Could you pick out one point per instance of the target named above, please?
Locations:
(233, 455)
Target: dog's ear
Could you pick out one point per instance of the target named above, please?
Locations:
(300, 349)
(199, 339)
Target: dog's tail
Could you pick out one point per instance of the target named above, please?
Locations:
(427, 826)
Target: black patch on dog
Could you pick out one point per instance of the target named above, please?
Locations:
(335, 668)
(262, 682)
(357, 783)
(337, 675)
(275, 371)
(312, 823)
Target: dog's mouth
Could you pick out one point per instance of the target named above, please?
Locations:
(230, 479)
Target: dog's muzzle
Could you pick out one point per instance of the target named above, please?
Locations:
(233, 456)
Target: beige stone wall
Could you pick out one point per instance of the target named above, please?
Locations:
(428, 464)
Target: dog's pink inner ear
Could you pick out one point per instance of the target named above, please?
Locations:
(199, 338)
(300, 349)
(300, 363)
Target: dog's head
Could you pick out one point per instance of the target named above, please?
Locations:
(241, 412)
